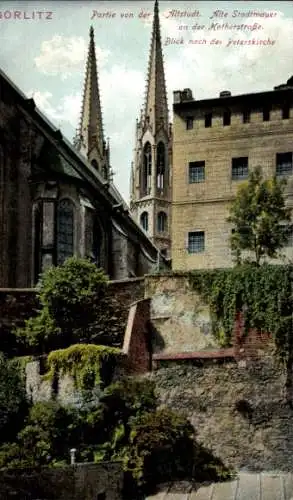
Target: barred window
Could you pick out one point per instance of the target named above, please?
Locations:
(239, 168)
(283, 164)
(196, 242)
(196, 172)
(65, 230)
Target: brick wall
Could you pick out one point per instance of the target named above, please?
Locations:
(137, 341)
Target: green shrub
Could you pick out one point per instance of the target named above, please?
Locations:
(76, 307)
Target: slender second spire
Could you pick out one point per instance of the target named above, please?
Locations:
(90, 134)
(156, 107)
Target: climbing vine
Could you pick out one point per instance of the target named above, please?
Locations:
(84, 363)
(263, 294)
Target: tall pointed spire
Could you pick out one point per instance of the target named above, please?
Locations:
(90, 134)
(156, 107)
(151, 168)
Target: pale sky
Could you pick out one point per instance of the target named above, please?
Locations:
(46, 57)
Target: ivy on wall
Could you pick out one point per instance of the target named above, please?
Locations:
(263, 294)
(84, 363)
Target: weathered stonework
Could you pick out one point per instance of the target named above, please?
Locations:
(181, 320)
(256, 436)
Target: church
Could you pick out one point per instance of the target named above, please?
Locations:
(58, 199)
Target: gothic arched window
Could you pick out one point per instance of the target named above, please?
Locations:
(160, 166)
(162, 222)
(65, 230)
(147, 169)
(144, 221)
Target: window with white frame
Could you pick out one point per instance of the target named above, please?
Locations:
(196, 242)
(283, 164)
(239, 168)
(196, 172)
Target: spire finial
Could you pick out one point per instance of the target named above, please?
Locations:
(91, 123)
(156, 106)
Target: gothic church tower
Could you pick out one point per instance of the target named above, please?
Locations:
(150, 191)
(89, 139)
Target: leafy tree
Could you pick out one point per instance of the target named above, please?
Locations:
(76, 307)
(13, 403)
(260, 218)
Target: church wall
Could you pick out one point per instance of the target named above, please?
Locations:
(119, 255)
(15, 213)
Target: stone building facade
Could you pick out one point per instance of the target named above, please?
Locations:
(57, 200)
(150, 190)
(216, 143)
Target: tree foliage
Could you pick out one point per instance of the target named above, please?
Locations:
(76, 306)
(124, 424)
(260, 219)
(13, 404)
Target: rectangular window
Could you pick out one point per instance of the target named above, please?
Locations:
(246, 116)
(266, 114)
(227, 118)
(196, 172)
(208, 120)
(286, 112)
(189, 123)
(196, 243)
(283, 164)
(239, 168)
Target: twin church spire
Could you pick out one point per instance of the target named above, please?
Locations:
(150, 198)
(90, 135)
(151, 170)
(156, 107)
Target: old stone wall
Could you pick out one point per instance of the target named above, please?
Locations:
(80, 481)
(238, 410)
(181, 320)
